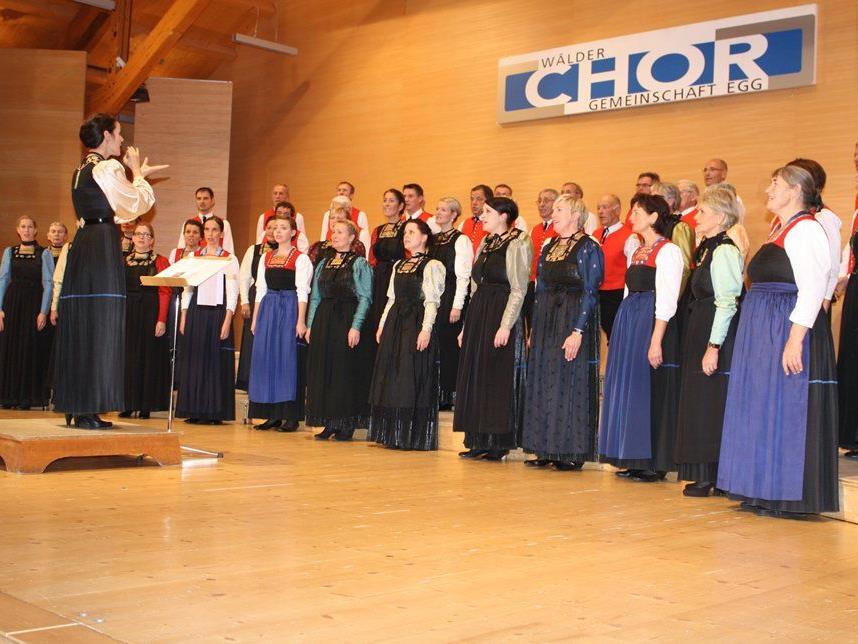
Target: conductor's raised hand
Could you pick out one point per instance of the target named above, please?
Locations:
(146, 169)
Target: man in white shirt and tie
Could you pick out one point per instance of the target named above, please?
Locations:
(205, 201)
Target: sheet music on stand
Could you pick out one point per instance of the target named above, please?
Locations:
(190, 271)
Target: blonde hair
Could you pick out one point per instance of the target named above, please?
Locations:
(60, 224)
(723, 201)
(349, 226)
(453, 204)
(575, 205)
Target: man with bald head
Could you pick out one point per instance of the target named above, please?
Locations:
(280, 194)
(715, 171)
(619, 243)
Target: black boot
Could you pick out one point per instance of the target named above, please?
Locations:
(325, 434)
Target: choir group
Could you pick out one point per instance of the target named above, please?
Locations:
(719, 368)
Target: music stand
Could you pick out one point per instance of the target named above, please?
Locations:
(190, 271)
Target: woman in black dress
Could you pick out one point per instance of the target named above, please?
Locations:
(385, 250)
(490, 382)
(147, 358)
(404, 392)
(561, 409)
(454, 250)
(714, 290)
(207, 365)
(247, 290)
(847, 357)
(90, 361)
(340, 356)
(26, 273)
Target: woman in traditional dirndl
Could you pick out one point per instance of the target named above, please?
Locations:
(454, 250)
(404, 392)
(490, 382)
(385, 250)
(147, 349)
(561, 403)
(276, 387)
(90, 348)
(847, 357)
(779, 444)
(339, 360)
(714, 289)
(26, 283)
(248, 269)
(638, 424)
(206, 393)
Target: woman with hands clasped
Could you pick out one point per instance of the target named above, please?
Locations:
(207, 361)
(779, 445)
(710, 328)
(339, 360)
(404, 392)
(276, 387)
(638, 425)
(561, 404)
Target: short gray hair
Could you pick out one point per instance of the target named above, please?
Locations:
(670, 193)
(685, 184)
(576, 205)
(722, 200)
(453, 204)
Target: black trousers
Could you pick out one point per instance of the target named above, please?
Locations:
(609, 304)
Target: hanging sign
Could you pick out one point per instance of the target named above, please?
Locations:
(739, 55)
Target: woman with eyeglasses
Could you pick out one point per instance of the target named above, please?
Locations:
(147, 358)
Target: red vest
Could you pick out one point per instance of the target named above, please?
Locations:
(646, 256)
(782, 232)
(289, 265)
(538, 236)
(689, 219)
(615, 258)
(474, 231)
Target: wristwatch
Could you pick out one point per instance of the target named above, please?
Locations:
(712, 345)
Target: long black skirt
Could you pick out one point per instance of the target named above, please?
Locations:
(206, 366)
(338, 378)
(847, 367)
(147, 377)
(246, 351)
(702, 398)
(24, 350)
(490, 382)
(90, 347)
(404, 392)
(448, 345)
(561, 408)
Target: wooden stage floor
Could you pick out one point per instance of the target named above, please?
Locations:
(287, 539)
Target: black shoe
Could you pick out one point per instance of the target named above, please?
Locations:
(87, 422)
(126, 414)
(537, 462)
(68, 418)
(626, 474)
(716, 491)
(212, 421)
(143, 414)
(325, 434)
(192, 421)
(288, 426)
(474, 453)
(495, 455)
(268, 424)
(648, 476)
(697, 489)
(102, 423)
(746, 506)
(780, 514)
(344, 436)
(571, 466)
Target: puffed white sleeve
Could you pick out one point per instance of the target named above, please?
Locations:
(633, 242)
(434, 275)
(231, 275)
(831, 224)
(260, 228)
(301, 241)
(669, 264)
(365, 239)
(261, 282)
(245, 276)
(806, 246)
(303, 277)
(845, 255)
(128, 199)
(462, 266)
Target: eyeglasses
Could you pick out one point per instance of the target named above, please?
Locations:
(144, 235)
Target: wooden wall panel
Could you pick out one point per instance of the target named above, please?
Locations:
(41, 109)
(385, 92)
(186, 123)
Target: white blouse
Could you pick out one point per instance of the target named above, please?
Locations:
(128, 199)
(669, 266)
(462, 266)
(434, 275)
(806, 246)
(303, 278)
(831, 224)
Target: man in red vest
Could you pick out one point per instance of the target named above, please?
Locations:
(472, 226)
(689, 193)
(280, 194)
(542, 231)
(619, 243)
(358, 217)
(414, 204)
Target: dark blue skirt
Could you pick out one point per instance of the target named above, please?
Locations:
(779, 442)
(274, 366)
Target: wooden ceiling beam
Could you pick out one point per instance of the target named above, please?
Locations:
(83, 27)
(176, 21)
(196, 38)
(267, 7)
